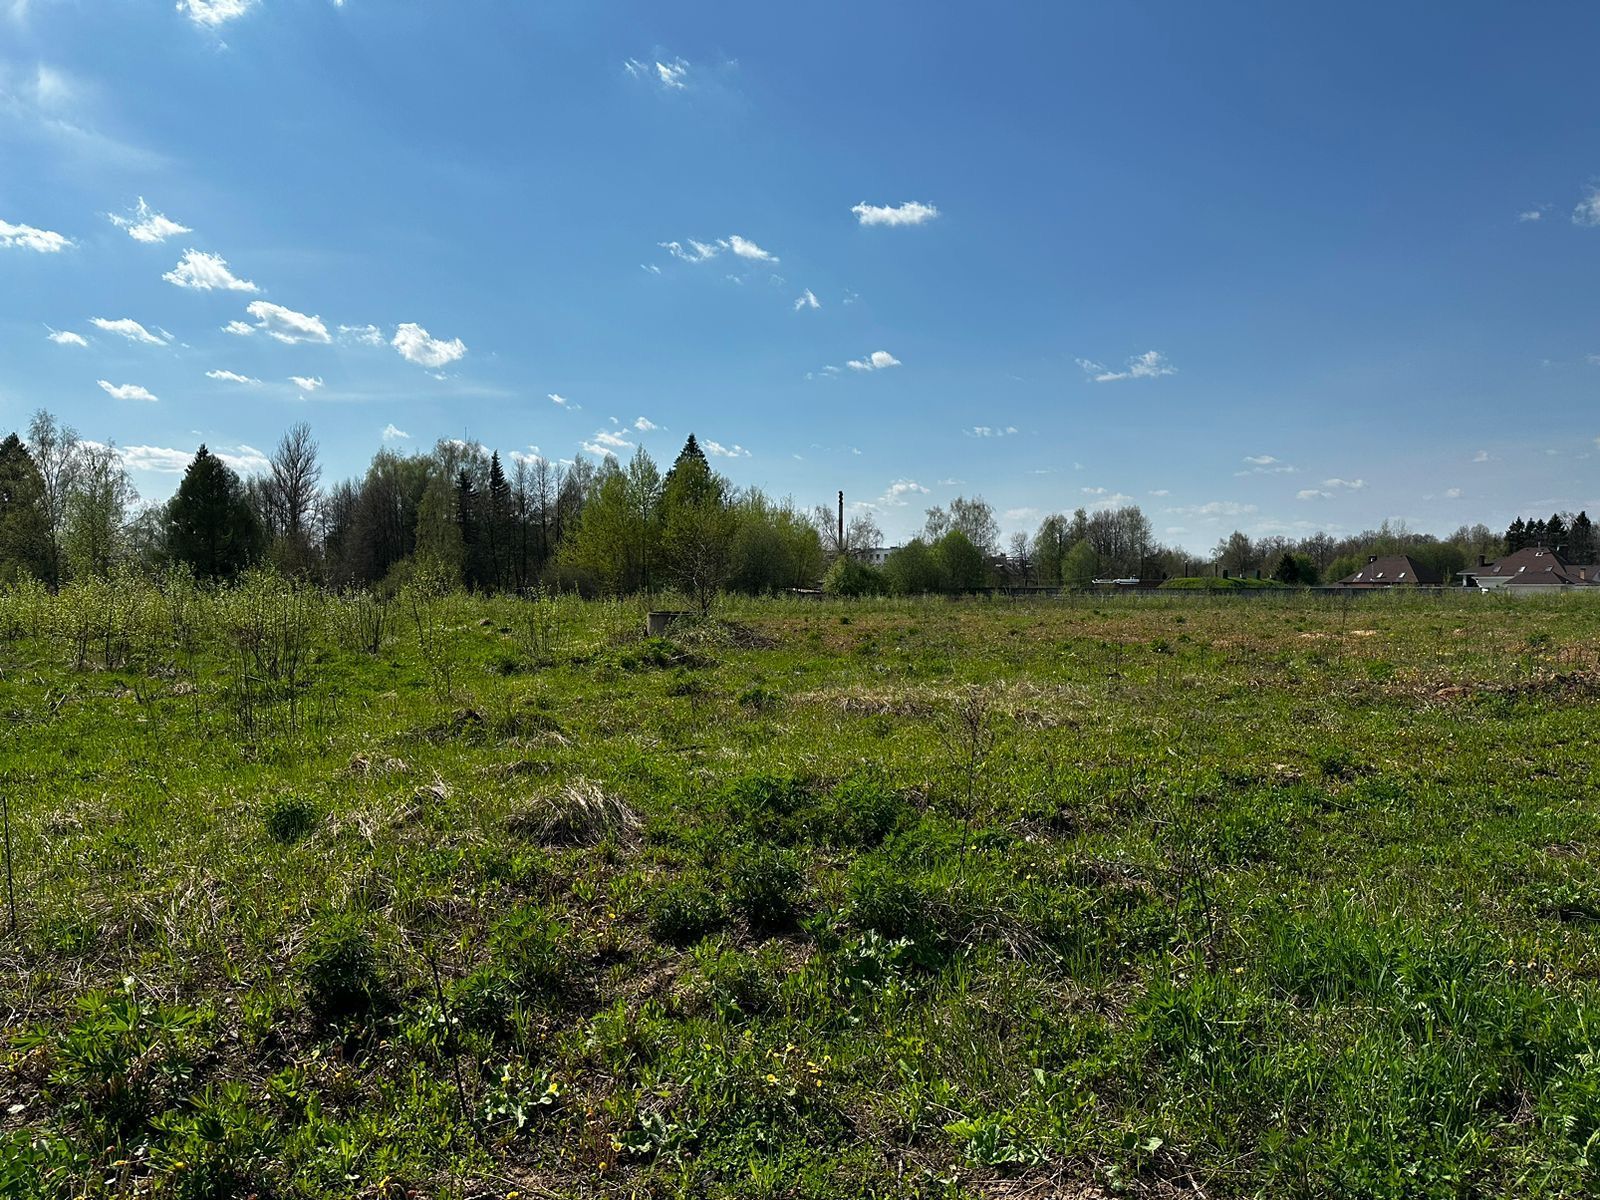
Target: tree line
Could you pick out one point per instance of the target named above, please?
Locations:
(68, 510)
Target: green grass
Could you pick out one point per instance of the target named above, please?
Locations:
(1154, 895)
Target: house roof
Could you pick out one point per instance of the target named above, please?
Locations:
(1390, 570)
(1538, 567)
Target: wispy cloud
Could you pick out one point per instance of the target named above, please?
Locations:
(1482, 456)
(144, 224)
(745, 248)
(392, 433)
(1152, 364)
(807, 299)
(562, 402)
(65, 337)
(691, 250)
(1313, 494)
(878, 360)
(246, 460)
(213, 13)
(1215, 508)
(1345, 485)
(718, 450)
(644, 424)
(1588, 210)
(912, 212)
(991, 431)
(129, 328)
(416, 345)
(206, 272)
(1265, 464)
(126, 391)
(231, 377)
(1531, 214)
(362, 335)
(306, 383)
(672, 76)
(605, 442)
(900, 493)
(283, 324)
(28, 237)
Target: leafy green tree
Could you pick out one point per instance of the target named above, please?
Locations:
(94, 539)
(210, 525)
(850, 576)
(961, 563)
(774, 547)
(697, 527)
(1081, 565)
(439, 533)
(1050, 546)
(913, 569)
(24, 521)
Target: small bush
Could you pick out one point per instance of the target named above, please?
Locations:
(767, 883)
(342, 972)
(684, 912)
(289, 818)
(539, 954)
(863, 812)
(759, 699)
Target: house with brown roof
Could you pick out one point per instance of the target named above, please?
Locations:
(1534, 570)
(1391, 570)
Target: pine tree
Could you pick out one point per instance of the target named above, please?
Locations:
(469, 520)
(209, 522)
(24, 523)
(1516, 536)
(1555, 532)
(497, 524)
(1581, 539)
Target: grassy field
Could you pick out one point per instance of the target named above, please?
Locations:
(1180, 896)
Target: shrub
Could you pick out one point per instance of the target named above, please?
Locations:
(289, 818)
(342, 972)
(685, 911)
(766, 883)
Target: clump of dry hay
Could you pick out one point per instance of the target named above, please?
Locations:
(578, 813)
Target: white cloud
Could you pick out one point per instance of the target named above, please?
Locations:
(392, 432)
(912, 212)
(1020, 514)
(284, 324)
(1588, 210)
(1482, 456)
(878, 360)
(1313, 494)
(146, 225)
(1216, 508)
(155, 458)
(206, 272)
(991, 431)
(27, 237)
(898, 492)
(694, 252)
(606, 443)
(306, 383)
(1532, 214)
(670, 75)
(230, 377)
(1152, 364)
(644, 424)
(65, 337)
(717, 449)
(363, 335)
(129, 328)
(246, 460)
(238, 329)
(212, 13)
(562, 402)
(1266, 464)
(126, 391)
(807, 299)
(1345, 485)
(650, 267)
(417, 346)
(1260, 460)
(1161, 492)
(745, 248)
(1452, 493)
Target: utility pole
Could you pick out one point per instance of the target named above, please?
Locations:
(841, 522)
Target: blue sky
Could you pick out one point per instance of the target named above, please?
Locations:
(1272, 266)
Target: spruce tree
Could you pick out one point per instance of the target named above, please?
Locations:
(209, 523)
(24, 521)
